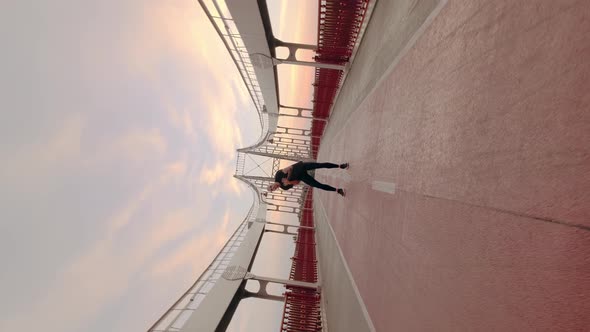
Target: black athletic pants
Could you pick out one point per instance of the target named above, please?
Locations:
(300, 173)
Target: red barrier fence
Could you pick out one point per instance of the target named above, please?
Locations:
(304, 266)
(339, 24)
(302, 305)
(302, 310)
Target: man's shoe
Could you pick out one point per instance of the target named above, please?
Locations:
(344, 166)
(341, 192)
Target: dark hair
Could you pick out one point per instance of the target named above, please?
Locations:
(279, 175)
(285, 187)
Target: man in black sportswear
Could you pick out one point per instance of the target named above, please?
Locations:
(288, 177)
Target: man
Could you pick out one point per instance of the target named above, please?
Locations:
(288, 177)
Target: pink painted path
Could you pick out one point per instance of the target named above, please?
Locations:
(484, 128)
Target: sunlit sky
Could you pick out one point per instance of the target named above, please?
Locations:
(119, 123)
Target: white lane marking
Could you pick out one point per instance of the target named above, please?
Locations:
(386, 187)
(320, 227)
(385, 74)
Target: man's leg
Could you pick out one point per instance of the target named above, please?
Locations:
(314, 183)
(310, 166)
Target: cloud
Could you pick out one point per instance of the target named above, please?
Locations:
(124, 216)
(210, 176)
(220, 178)
(158, 55)
(134, 146)
(137, 144)
(291, 77)
(222, 127)
(201, 245)
(183, 121)
(35, 162)
(223, 230)
(175, 169)
(205, 245)
(104, 272)
(195, 43)
(180, 30)
(173, 225)
(224, 134)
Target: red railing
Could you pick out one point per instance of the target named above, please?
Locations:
(339, 24)
(302, 310)
(302, 305)
(304, 266)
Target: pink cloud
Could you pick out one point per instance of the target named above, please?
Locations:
(35, 164)
(103, 273)
(124, 216)
(207, 245)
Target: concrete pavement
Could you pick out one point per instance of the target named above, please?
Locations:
(469, 188)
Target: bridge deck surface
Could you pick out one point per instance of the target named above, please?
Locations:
(468, 204)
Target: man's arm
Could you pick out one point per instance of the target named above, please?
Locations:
(287, 182)
(287, 171)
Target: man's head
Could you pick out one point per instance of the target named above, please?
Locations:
(273, 186)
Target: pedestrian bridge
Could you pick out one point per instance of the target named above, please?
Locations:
(465, 125)
(245, 29)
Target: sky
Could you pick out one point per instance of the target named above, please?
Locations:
(119, 123)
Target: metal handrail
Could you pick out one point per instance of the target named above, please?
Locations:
(242, 61)
(190, 300)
